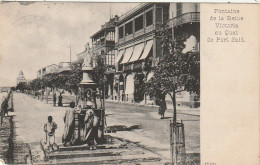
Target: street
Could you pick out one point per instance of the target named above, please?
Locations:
(151, 131)
(143, 124)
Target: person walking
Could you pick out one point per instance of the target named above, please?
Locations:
(54, 99)
(162, 108)
(49, 129)
(60, 101)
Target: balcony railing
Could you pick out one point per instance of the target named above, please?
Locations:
(127, 67)
(138, 66)
(185, 18)
(139, 33)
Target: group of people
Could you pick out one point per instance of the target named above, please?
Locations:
(88, 130)
(55, 98)
(87, 126)
(84, 131)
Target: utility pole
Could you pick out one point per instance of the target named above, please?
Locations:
(70, 53)
(110, 11)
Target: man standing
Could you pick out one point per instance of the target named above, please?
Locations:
(49, 129)
(60, 101)
(54, 99)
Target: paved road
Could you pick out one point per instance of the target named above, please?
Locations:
(152, 131)
(148, 129)
(31, 114)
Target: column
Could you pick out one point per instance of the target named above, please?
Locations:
(124, 87)
(145, 79)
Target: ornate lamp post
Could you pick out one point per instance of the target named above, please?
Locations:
(87, 99)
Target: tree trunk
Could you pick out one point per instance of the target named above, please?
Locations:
(174, 126)
(174, 108)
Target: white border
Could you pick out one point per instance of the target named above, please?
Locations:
(137, 1)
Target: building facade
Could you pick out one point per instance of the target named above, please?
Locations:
(53, 68)
(103, 44)
(138, 48)
(64, 66)
(185, 23)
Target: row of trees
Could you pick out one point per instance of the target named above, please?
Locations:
(67, 80)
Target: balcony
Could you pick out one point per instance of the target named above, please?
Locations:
(138, 66)
(136, 34)
(127, 67)
(149, 28)
(185, 18)
(109, 43)
(139, 33)
(129, 37)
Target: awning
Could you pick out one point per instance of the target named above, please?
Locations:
(119, 56)
(147, 49)
(127, 55)
(137, 52)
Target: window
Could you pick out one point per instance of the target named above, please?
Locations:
(113, 36)
(165, 14)
(107, 59)
(110, 57)
(179, 9)
(149, 17)
(129, 28)
(159, 49)
(139, 23)
(121, 32)
(158, 15)
(110, 36)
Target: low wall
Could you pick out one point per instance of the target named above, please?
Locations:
(6, 131)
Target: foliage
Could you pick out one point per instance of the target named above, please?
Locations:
(22, 86)
(73, 78)
(176, 71)
(99, 71)
(69, 80)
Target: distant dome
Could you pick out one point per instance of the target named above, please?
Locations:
(21, 77)
(21, 73)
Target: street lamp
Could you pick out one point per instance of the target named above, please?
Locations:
(102, 83)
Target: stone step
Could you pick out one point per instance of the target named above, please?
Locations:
(92, 153)
(119, 159)
(86, 147)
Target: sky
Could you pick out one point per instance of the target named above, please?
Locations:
(35, 35)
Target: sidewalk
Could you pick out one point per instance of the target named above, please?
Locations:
(180, 109)
(142, 125)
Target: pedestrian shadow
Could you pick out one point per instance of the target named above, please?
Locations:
(110, 114)
(166, 117)
(115, 128)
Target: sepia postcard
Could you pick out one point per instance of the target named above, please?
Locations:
(129, 83)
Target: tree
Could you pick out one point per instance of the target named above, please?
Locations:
(98, 75)
(74, 77)
(22, 86)
(99, 70)
(176, 71)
